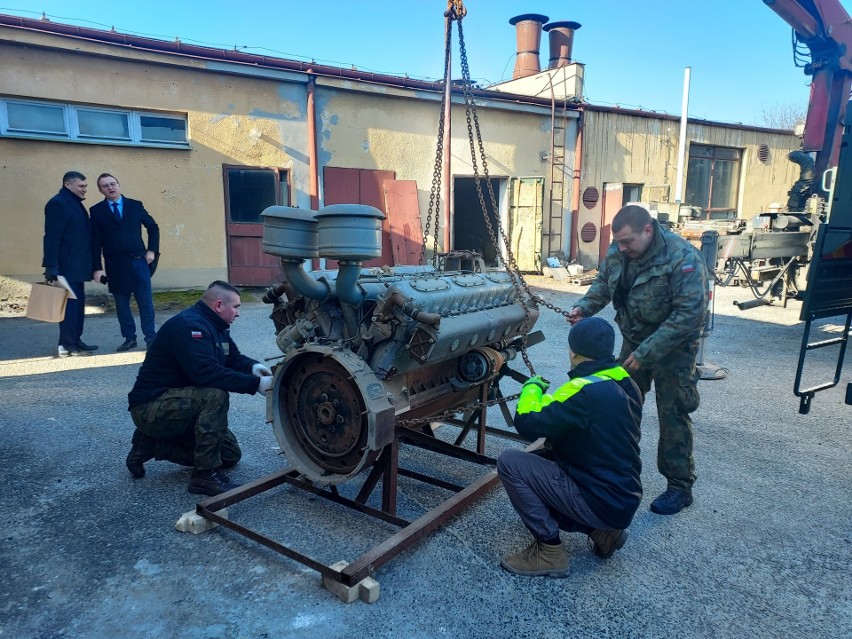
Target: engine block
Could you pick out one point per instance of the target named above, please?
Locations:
(366, 347)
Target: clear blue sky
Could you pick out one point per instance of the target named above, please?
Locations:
(635, 51)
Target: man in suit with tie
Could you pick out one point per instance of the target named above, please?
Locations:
(117, 233)
(67, 252)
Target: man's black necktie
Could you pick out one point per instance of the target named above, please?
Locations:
(115, 211)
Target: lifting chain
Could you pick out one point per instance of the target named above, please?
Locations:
(512, 266)
(455, 10)
(459, 409)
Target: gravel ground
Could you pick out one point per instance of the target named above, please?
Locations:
(89, 552)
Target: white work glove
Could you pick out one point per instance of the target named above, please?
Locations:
(259, 370)
(265, 384)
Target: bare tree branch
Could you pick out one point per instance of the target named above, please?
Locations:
(783, 115)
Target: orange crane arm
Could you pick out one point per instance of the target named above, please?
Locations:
(825, 28)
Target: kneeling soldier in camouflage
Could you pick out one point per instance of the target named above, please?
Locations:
(587, 477)
(179, 403)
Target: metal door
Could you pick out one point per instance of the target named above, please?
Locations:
(525, 220)
(359, 186)
(613, 200)
(403, 211)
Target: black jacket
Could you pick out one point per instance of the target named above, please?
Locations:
(67, 246)
(594, 436)
(121, 241)
(194, 348)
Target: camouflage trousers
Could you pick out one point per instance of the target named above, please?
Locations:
(675, 379)
(190, 427)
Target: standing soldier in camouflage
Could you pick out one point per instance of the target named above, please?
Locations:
(179, 403)
(657, 283)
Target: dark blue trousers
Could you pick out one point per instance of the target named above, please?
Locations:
(142, 292)
(71, 328)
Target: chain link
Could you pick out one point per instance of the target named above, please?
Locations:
(437, 171)
(518, 280)
(454, 411)
(524, 295)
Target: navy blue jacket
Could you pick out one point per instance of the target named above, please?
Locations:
(193, 348)
(67, 246)
(594, 437)
(121, 241)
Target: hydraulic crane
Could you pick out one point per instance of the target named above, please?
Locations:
(825, 28)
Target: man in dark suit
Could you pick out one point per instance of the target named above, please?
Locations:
(117, 233)
(67, 252)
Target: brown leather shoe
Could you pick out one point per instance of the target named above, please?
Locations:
(605, 541)
(141, 451)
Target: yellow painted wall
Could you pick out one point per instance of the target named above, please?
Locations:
(378, 131)
(231, 120)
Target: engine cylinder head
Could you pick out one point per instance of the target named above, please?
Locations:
(350, 232)
(290, 232)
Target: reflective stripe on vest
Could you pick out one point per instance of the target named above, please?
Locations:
(534, 404)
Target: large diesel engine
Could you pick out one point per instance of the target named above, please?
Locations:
(366, 347)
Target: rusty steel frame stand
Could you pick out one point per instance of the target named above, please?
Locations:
(386, 468)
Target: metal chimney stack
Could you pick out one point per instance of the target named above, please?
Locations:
(561, 36)
(528, 35)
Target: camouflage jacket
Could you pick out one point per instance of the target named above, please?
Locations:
(667, 302)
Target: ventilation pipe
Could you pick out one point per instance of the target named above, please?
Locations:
(561, 40)
(528, 36)
(681, 147)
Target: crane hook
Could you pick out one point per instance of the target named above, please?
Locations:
(455, 10)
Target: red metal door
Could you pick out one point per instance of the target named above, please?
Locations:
(359, 186)
(248, 265)
(406, 232)
(613, 198)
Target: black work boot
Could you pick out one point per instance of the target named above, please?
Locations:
(210, 482)
(672, 501)
(606, 541)
(141, 451)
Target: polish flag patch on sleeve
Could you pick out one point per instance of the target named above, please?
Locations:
(196, 334)
(687, 268)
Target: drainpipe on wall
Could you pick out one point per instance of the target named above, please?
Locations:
(575, 188)
(313, 170)
(681, 147)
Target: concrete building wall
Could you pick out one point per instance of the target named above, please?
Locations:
(626, 148)
(231, 120)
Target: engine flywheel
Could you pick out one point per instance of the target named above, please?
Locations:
(324, 410)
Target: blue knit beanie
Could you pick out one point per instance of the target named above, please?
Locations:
(593, 338)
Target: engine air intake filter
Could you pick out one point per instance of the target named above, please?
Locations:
(290, 232)
(350, 232)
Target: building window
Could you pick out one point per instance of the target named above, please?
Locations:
(250, 190)
(161, 128)
(713, 179)
(36, 119)
(632, 193)
(89, 124)
(109, 125)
